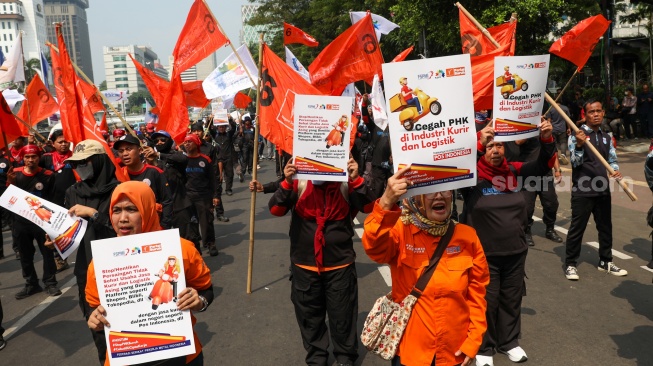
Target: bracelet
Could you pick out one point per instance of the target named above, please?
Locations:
(205, 302)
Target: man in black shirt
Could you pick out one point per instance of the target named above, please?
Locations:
(5, 165)
(224, 141)
(40, 183)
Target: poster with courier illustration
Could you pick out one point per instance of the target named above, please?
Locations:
(431, 122)
(65, 231)
(520, 84)
(139, 278)
(321, 137)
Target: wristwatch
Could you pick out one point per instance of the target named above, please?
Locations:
(94, 216)
(205, 302)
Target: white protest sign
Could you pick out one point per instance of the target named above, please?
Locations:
(431, 121)
(139, 278)
(322, 127)
(520, 84)
(66, 231)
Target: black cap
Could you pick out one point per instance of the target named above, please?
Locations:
(127, 139)
(199, 126)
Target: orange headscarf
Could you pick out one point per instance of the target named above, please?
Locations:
(142, 196)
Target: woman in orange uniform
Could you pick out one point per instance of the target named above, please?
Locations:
(133, 211)
(447, 323)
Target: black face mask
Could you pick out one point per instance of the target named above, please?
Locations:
(165, 147)
(85, 171)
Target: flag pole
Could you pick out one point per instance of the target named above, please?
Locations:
(231, 44)
(573, 127)
(562, 91)
(29, 118)
(97, 92)
(30, 127)
(252, 208)
(478, 25)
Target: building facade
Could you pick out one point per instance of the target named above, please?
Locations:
(249, 35)
(26, 16)
(121, 74)
(72, 13)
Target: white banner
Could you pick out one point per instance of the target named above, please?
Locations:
(322, 128)
(66, 231)
(381, 24)
(379, 110)
(230, 76)
(294, 63)
(431, 122)
(139, 278)
(520, 84)
(115, 95)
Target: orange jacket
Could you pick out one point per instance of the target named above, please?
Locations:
(450, 314)
(197, 275)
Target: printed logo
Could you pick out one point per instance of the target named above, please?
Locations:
(135, 250)
(3, 165)
(151, 248)
(537, 65)
(38, 186)
(202, 164)
(332, 107)
(80, 148)
(455, 71)
(453, 250)
(416, 250)
(13, 200)
(149, 183)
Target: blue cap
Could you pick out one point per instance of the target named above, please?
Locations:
(161, 133)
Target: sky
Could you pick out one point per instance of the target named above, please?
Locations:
(153, 23)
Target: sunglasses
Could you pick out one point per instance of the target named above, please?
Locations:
(444, 194)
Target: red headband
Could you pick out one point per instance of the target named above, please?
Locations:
(194, 139)
(30, 150)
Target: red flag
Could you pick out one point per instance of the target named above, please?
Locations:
(292, 34)
(194, 93)
(199, 38)
(8, 125)
(39, 104)
(578, 44)
(280, 83)
(174, 113)
(483, 53)
(89, 93)
(64, 82)
(402, 56)
(242, 100)
(354, 55)
(103, 124)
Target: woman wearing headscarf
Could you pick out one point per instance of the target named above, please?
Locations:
(447, 322)
(89, 198)
(133, 211)
(497, 209)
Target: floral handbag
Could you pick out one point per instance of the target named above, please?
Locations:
(386, 322)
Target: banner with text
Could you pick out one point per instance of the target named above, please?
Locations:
(520, 84)
(321, 137)
(431, 119)
(139, 278)
(66, 231)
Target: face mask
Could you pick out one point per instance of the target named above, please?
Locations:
(318, 182)
(85, 171)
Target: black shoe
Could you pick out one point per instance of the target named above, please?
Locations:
(28, 291)
(552, 235)
(213, 250)
(3, 343)
(53, 290)
(529, 239)
(650, 264)
(62, 265)
(241, 178)
(222, 218)
(17, 256)
(229, 193)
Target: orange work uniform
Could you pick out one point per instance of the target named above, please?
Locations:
(450, 314)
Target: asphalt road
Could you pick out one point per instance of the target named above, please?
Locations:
(599, 320)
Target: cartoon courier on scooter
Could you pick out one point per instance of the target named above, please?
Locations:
(165, 288)
(510, 83)
(413, 104)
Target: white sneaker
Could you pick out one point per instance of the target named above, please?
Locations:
(571, 273)
(612, 269)
(516, 354)
(484, 360)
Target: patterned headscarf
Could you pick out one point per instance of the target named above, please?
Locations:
(413, 212)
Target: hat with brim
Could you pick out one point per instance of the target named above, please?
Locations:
(86, 149)
(127, 139)
(160, 133)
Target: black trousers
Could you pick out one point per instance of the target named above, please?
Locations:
(186, 221)
(545, 189)
(228, 173)
(630, 127)
(204, 210)
(333, 293)
(248, 159)
(581, 209)
(504, 297)
(25, 235)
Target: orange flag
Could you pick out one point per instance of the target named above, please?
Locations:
(578, 44)
(38, 106)
(103, 125)
(402, 56)
(199, 38)
(292, 34)
(89, 93)
(194, 93)
(279, 85)
(242, 100)
(483, 53)
(354, 55)
(174, 113)
(8, 125)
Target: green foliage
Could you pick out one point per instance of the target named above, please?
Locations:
(103, 85)
(31, 67)
(137, 99)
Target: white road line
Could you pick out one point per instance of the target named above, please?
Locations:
(37, 310)
(356, 222)
(385, 273)
(556, 228)
(646, 268)
(615, 253)
(359, 231)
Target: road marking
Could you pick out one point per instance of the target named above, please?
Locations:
(646, 268)
(359, 231)
(615, 253)
(385, 273)
(556, 228)
(356, 222)
(37, 310)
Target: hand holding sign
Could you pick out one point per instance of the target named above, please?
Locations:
(397, 186)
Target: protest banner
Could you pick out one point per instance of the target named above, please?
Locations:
(432, 126)
(66, 231)
(520, 84)
(322, 125)
(220, 117)
(138, 279)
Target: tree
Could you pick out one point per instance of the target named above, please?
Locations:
(103, 85)
(31, 67)
(137, 99)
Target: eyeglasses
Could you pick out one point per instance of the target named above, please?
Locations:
(444, 194)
